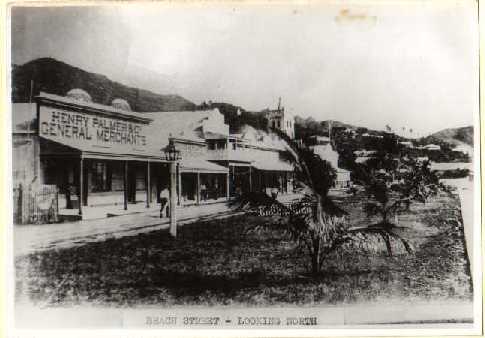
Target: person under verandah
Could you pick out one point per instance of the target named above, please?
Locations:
(164, 199)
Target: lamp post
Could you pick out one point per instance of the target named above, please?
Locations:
(172, 155)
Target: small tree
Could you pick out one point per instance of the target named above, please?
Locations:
(391, 186)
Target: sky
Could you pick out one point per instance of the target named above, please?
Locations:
(412, 64)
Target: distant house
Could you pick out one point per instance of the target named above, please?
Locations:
(364, 153)
(316, 140)
(406, 144)
(451, 166)
(462, 149)
(326, 153)
(362, 159)
(350, 132)
(432, 147)
(342, 180)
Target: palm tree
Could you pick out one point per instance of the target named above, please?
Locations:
(315, 222)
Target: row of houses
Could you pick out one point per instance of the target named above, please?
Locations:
(100, 156)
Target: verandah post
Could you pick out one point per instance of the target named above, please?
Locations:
(125, 186)
(179, 184)
(198, 188)
(148, 190)
(81, 186)
(227, 184)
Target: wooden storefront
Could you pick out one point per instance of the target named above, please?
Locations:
(98, 155)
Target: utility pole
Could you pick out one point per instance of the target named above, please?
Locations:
(173, 198)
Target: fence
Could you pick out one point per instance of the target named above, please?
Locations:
(35, 204)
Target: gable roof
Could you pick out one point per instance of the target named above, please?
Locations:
(185, 125)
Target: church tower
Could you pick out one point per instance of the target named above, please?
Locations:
(281, 120)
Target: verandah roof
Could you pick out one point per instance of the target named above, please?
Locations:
(53, 148)
(272, 165)
(188, 165)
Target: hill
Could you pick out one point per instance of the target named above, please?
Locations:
(56, 77)
(305, 127)
(455, 136)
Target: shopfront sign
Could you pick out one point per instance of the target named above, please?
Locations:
(66, 127)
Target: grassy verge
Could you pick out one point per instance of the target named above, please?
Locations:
(220, 263)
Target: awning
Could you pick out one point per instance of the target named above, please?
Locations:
(68, 149)
(273, 165)
(197, 165)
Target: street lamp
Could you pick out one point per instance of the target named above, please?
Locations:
(172, 155)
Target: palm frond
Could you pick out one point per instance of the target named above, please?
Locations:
(386, 231)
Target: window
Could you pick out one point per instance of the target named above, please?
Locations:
(279, 124)
(274, 124)
(100, 177)
(211, 145)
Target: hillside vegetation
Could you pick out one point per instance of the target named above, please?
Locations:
(56, 77)
(455, 136)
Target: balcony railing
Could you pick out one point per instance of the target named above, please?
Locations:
(229, 155)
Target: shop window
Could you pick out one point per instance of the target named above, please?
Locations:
(117, 175)
(50, 170)
(100, 177)
(140, 177)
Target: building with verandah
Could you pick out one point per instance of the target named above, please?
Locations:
(99, 160)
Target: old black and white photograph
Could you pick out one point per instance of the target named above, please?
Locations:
(239, 166)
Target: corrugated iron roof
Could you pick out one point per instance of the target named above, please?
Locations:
(200, 165)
